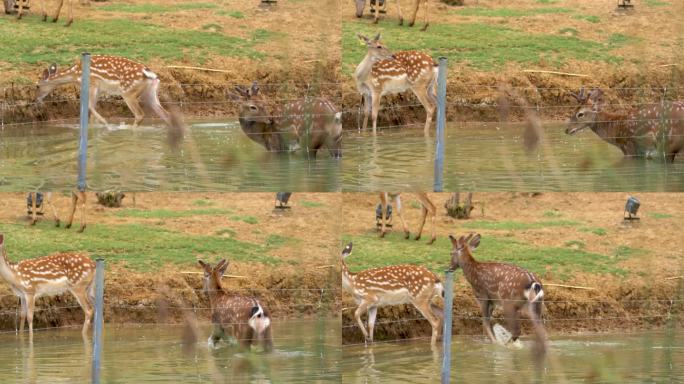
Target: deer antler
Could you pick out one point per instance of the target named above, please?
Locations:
(581, 97)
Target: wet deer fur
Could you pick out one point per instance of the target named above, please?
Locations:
(498, 284)
(309, 123)
(393, 285)
(242, 317)
(49, 276)
(639, 132)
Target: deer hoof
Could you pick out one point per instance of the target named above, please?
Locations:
(69, 23)
(417, 238)
(375, 21)
(382, 234)
(45, 17)
(33, 222)
(57, 223)
(19, 16)
(401, 21)
(407, 235)
(424, 28)
(431, 241)
(80, 230)
(411, 23)
(67, 226)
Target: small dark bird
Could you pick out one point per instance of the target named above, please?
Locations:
(281, 199)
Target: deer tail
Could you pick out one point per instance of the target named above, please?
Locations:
(173, 120)
(535, 292)
(259, 319)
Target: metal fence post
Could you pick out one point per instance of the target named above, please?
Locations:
(441, 124)
(98, 321)
(446, 334)
(83, 146)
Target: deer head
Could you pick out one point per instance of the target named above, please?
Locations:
(376, 49)
(461, 249)
(45, 84)
(256, 118)
(212, 275)
(345, 252)
(586, 112)
(360, 4)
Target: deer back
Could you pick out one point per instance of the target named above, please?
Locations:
(396, 284)
(232, 310)
(315, 120)
(55, 273)
(501, 281)
(406, 70)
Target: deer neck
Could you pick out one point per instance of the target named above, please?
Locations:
(470, 269)
(362, 72)
(215, 291)
(66, 76)
(347, 277)
(7, 268)
(613, 128)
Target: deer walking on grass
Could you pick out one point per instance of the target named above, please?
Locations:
(58, 10)
(116, 76)
(499, 284)
(78, 198)
(309, 123)
(639, 132)
(427, 208)
(393, 285)
(49, 276)
(381, 72)
(361, 4)
(242, 317)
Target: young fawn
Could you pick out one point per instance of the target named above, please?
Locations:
(393, 285)
(506, 285)
(637, 133)
(243, 317)
(49, 276)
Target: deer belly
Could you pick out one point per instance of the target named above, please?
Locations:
(53, 287)
(395, 85)
(110, 87)
(396, 297)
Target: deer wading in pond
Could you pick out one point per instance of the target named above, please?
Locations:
(505, 285)
(116, 76)
(381, 72)
(393, 285)
(637, 133)
(243, 317)
(361, 4)
(77, 198)
(48, 276)
(427, 207)
(58, 10)
(309, 123)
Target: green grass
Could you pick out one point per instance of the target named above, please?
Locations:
(169, 214)
(568, 31)
(656, 215)
(141, 247)
(656, 3)
(547, 1)
(276, 241)
(245, 218)
(233, 14)
(589, 18)
(552, 214)
(226, 231)
(516, 225)
(576, 244)
(624, 252)
(203, 203)
(483, 46)
(509, 12)
(155, 8)
(311, 204)
(36, 42)
(619, 39)
(562, 263)
(595, 230)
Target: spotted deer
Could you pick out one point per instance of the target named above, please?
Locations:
(361, 4)
(58, 10)
(381, 73)
(393, 285)
(116, 76)
(49, 276)
(78, 198)
(638, 132)
(427, 207)
(499, 284)
(309, 123)
(243, 317)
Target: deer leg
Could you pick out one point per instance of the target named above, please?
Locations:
(215, 336)
(401, 17)
(426, 16)
(267, 340)
(48, 201)
(134, 106)
(372, 313)
(367, 105)
(430, 208)
(357, 315)
(72, 210)
(512, 320)
(58, 10)
(397, 200)
(383, 215)
(425, 309)
(414, 12)
(375, 110)
(92, 102)
(20, 13)
(34, 197)
(487, 309)
(152, 98)
(30, 304)
(81, 198)
(22, 316)
(84, 302)
(426, 101)
(71, 13)
(43, 10)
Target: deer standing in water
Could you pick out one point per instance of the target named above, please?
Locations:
(506, 285)
(77, 198)
(381, 73)
(49, 276)
(427, 207)
(360, 4)
(311, 123)
(637, 133)
(43, 11)
(243, 317)
(393, 285)
(116, 76)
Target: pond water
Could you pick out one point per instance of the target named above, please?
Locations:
(306, 351)
(213, 157)
(638, 358)
(491, 157)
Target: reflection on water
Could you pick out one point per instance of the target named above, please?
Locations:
(652, 357)
(214, 156)
(306, 351)
(491, 157)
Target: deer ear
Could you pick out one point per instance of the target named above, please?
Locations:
(474, 242)
(454, 241)
(254, 90)
(45, 75)
(362, 37)
(222, 266)
(377, 37)
(347, 250)
(204, 265)
(52, 69)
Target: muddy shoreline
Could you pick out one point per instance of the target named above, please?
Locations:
(471, 95)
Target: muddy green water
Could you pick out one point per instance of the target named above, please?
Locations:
(306, 351)
(638, 358)
(213, 157)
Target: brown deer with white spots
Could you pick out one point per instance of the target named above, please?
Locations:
(381, 72)
(115, 76)
(243, 317)
(49, 276)
(309, 123)
(638, 133)
(427, 207)
(393, 285)
(78, 198)
(499, 284)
